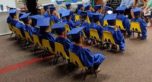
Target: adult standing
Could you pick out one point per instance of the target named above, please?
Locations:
(128, 4)
(32, 6)
(113, 3)
(140, 3)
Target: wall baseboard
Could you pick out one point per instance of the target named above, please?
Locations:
(5, 34)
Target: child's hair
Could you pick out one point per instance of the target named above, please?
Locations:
(13, 15)
(76, 38)
(34, 22)
(59, 32)
(43, 29)
(122, 12)
(26, 21)
(68, 17)
(137, 16)
(111, 22)
(95, 20)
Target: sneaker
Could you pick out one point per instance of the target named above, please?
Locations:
(98, 70)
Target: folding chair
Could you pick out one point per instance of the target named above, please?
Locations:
(46, 45)
(94, 35)
(74, 59)
(105, 23)
(37, 44)
(98, 23)
(51, 23)
(11, 29)
(88, 20)
(36, 40)
(77, 17)
(107, 38)
(18, 34)
(28, 37)
(95, 39)
(60, 51)
(67, 28)
(135, 27)
(120, 25)
(47, 48)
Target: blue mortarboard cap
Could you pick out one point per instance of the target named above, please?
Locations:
(68, 4)
(95, 16)
(36, 16)
(47, 6)
(80, 5)
(43, 22)
(25, 15)
(110, 17)
(108, 8)
(84, 13)
(137, 11)
(62, 10)
(12, 11)
(52, 8)
(74, 1)
(59, 25)
(66, 13)
(87, 6)
(123, 8)
(97, 7)
(76, 31)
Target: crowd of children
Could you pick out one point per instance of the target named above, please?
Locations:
(52, 26)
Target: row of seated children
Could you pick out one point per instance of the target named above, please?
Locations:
(75, 45)
(94, 18)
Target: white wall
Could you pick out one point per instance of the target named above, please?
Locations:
(10, 3)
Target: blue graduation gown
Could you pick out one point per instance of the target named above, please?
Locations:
(54, 19)
(86, 29)
(48, 36)
(46, 14)
(125, 22)
(31, 30)
(97, 27)
(87, 57)
(72, 24)
(65, 42)
(79, 12)
(143, 26)
(118, 36)
(20, 26)
(9, 19)
(89, 13)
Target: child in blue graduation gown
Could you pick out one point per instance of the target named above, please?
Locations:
(88, 9)
(47, 11)
(68, 6)
(12, 18)
(88, 59)
(118, 36)
(27, 21)
(99, 10)
(80, 8)
(69, 21)
(59, 29)
(94, 25)
(53, 18)
(44, 24)
(84, 23)
(124, 19)
(143, 24)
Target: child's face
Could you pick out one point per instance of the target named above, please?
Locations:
(30, 21)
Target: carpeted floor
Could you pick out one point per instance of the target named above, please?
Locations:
(132, 66)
